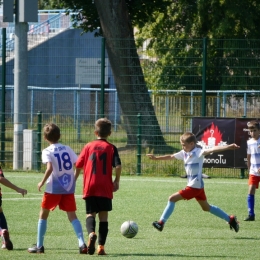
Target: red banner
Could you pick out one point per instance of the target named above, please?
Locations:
(221, 131)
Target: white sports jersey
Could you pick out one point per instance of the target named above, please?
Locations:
(193, 163)
(62, 157)
(254, 151)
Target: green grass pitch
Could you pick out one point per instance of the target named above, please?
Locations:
(190, 233)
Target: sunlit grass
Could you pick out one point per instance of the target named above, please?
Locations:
(190, 233)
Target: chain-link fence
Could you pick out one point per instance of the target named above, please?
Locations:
(65, 75)
(173, 111)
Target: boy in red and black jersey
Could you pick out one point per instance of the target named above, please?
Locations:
(98, 159)
(7, 244)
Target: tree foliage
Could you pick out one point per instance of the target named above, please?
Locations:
(50, 4)
(114, 19)
(140, 12)
(172, 31)
(176, 44)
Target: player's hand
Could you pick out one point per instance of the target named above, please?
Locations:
(22, 191)
(115, 186)
(234, 146)
(151, 156)
(40, 184)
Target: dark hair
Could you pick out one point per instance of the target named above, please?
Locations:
(103, 127)
(51, 132)
(253, 124)
(188, 137)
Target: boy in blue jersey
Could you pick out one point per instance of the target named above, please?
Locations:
(60, 187)
(253, 165)
(193, 157)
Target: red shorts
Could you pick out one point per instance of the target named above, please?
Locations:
(66, 202)
(189, 193)
(254, 180)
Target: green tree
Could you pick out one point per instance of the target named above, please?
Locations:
(176, 45)
(115, 20)
(50, 4)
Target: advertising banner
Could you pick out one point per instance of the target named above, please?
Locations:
(212, 131)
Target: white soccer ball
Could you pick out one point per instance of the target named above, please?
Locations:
(129, 229)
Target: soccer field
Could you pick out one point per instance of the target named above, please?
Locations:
(190, 233)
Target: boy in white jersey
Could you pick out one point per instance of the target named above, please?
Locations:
(253, 165)
(60, 187)
(193, 157)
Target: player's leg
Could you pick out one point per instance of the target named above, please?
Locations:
(253, 183)
(91, 209)
(102, 232)
(49, 202)
(6, 242)
(42, 226)
(232, 220)
(168, 210)
(78, 231)
(91, 227)
(3, 222)
(202, 200)
(104, 206)
(68, 204)
(213, 210)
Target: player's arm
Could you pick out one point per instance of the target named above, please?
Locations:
(118, 170)
(217, 149)
(162, 157)
(10, 185)
(47, 174)
(117, 167)
(76, 173)
(248, 161)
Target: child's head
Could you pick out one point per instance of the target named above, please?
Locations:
(254, 129)
(103, 127)
(188, 141)
(51, 133)
(253, 125)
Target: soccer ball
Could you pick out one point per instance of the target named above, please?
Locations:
(129, 229)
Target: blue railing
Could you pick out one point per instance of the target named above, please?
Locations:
(114, 104)
(49, 21)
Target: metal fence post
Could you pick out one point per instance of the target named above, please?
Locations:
(242, 171)
(3, 95)
(103, 65)
(139, 140)
(39, 136)
(204, 76)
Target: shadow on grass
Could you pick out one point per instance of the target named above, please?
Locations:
(247, 238)
(171, 255)
(120, 256)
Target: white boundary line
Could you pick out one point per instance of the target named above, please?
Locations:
(138, 178)
(28, 198)
(154, 179)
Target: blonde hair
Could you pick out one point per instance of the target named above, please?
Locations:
(253, 124)
(188, 137)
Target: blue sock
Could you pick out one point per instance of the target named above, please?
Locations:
(78, 231)
(42, 227)
(251, 204)
(219, 213)
(167, 211)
